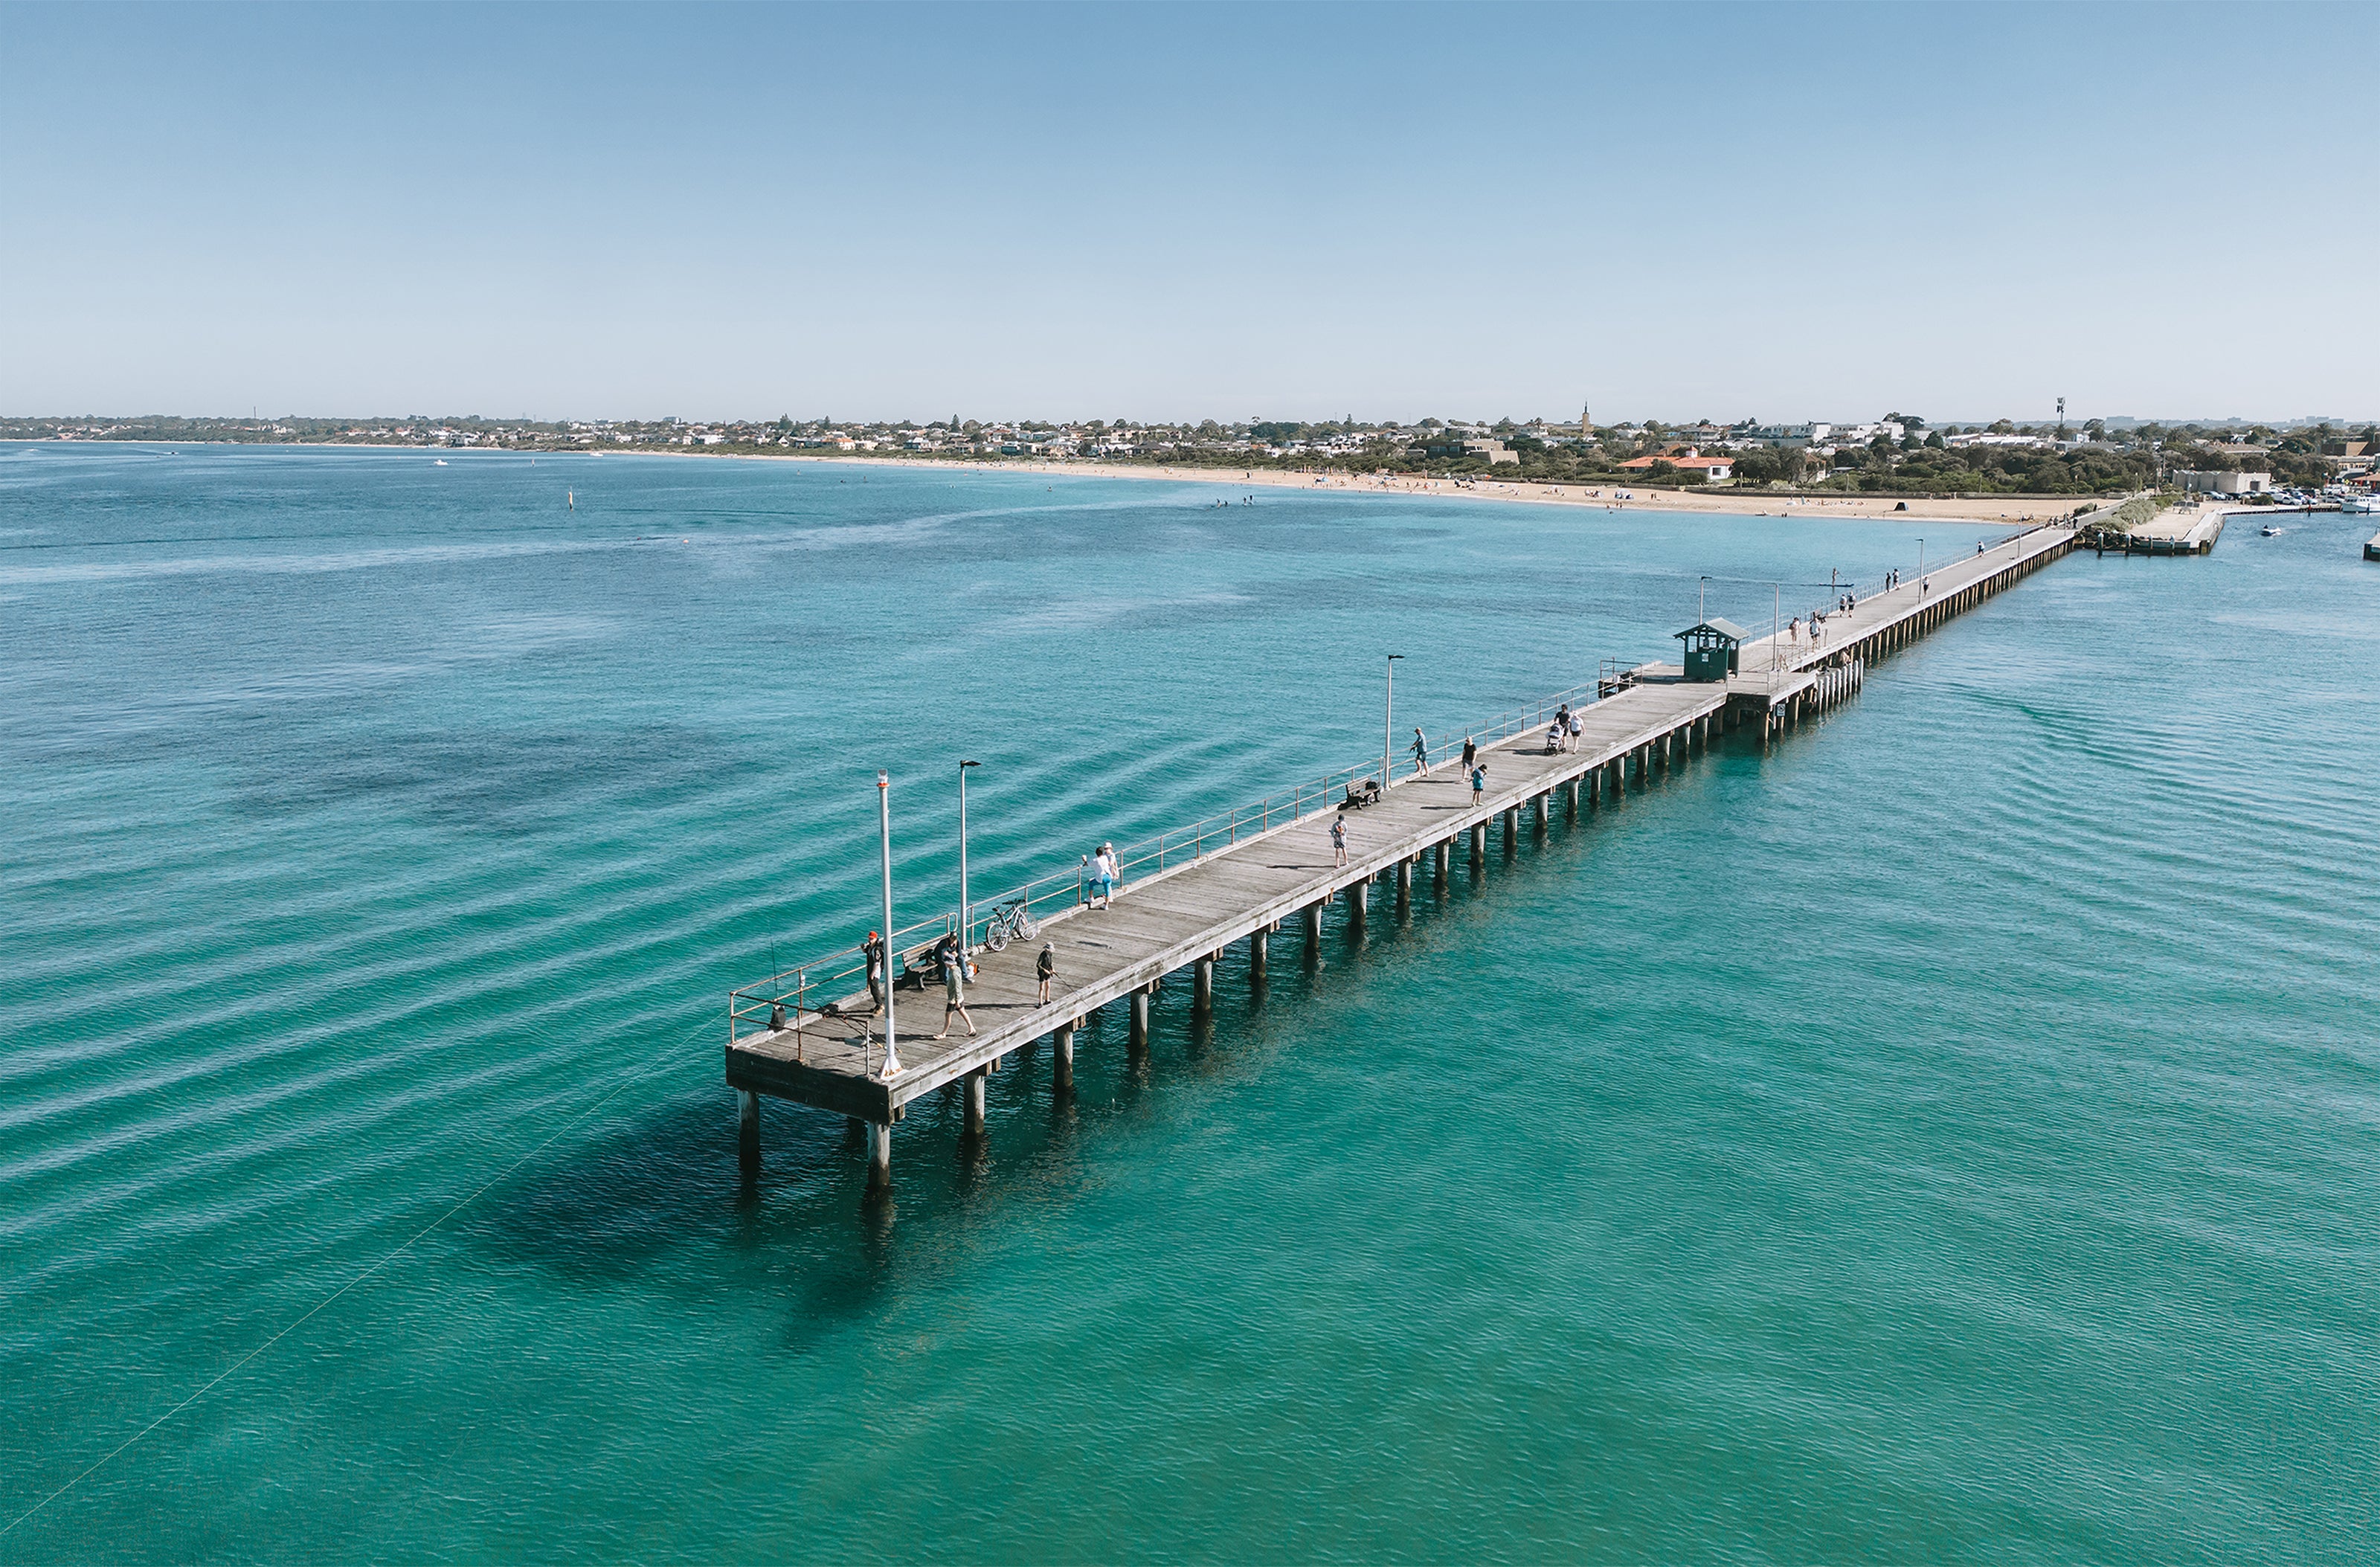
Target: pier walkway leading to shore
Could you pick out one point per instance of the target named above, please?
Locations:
(1244, 886)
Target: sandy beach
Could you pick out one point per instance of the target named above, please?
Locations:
(2010, 509)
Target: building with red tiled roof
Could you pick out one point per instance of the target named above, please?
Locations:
(1689, 459)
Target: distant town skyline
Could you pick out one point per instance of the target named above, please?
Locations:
(1281, 213)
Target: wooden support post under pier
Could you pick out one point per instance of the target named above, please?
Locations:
(1405, 880)
(1202, 985)
(976, 1082)
(1259, 940)
(1062, 1070)
(879, 1158)
(1359, 906)
(1313, 929)
(1138, 1040)
(748, 1130)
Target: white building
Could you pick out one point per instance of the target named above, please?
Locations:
(2211, 481)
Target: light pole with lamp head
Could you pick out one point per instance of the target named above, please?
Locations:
(1389, 725)
(885, 838)
(966, 919)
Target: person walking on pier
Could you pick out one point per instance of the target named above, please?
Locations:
(1105, 873)
(1045, 968)
(1339, 840)
(1420, 753)
(872, 952)
(1470, 753)
(953, 966)
(1479, 783)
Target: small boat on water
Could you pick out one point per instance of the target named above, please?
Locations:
(2359, 505)
(2271, 532)
(440, 462)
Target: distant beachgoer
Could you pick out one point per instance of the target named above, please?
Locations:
(952, 962)
(871, 951)
(1420, 753)
(1045, 968)
(1339, 840)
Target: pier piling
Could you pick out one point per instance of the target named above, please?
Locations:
(748, 1130)
(879, 1158)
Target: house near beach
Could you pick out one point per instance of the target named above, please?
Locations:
(1716, 468)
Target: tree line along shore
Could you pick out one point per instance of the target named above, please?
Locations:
(1899, 456)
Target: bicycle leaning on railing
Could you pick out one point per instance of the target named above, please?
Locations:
(1010, 922)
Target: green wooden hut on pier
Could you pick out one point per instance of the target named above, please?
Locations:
(1711, 649)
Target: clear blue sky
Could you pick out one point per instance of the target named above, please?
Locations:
(1140, 212)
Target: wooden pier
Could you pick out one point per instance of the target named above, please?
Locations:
(1245, 885)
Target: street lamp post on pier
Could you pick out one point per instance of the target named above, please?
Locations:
(1389, 725)
(967, 917)
(885, 840)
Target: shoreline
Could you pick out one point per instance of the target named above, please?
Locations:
(2010, 509)
(1615, 497)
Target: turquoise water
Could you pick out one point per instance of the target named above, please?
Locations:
(1948, 1137)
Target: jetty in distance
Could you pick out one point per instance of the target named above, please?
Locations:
(815, 1036)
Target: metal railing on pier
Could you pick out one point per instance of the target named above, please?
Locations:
(841, 975)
